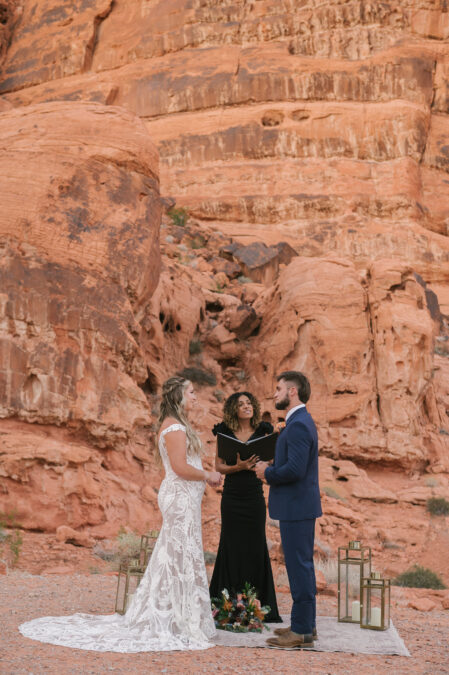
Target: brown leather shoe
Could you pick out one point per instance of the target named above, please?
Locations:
(282, 631)
(290, 640)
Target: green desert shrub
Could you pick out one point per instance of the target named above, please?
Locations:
(179, 217)
(331, 492)
(438, 506)
(195, 347)
(198, 376)
(209, 557)
(128, 546)
(419, 577)
(10, 538)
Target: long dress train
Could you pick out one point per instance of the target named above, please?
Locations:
(170, 609)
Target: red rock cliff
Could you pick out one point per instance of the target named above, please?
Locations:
(321, 125)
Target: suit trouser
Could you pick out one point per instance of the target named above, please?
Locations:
(298, 537)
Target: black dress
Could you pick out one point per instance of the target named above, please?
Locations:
(242, 553)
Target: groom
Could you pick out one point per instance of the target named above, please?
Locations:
(295, 501)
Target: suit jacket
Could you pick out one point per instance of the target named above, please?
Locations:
(293, 478)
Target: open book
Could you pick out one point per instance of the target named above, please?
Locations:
(263, 447)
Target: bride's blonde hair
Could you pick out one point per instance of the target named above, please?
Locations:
(172, 405)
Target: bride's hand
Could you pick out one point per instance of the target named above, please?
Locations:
(247, 464)
(213, 478)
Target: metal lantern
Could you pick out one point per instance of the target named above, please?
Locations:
(375, 602)
(129, 577)
(354, 563)
(146, 546)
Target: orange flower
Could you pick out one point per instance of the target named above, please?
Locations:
(227, 605)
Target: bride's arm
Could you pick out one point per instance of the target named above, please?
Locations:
(175, 443)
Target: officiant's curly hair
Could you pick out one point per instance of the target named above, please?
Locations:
(172, 405)
(231, 406)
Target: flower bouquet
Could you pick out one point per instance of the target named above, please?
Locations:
(239, 612)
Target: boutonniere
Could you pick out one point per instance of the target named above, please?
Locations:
(280, 426)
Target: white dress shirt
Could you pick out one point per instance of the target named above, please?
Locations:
(292, 410)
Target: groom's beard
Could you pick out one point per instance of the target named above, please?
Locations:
(282, 405)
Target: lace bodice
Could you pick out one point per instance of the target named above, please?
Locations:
(171, 608)
(192, 458)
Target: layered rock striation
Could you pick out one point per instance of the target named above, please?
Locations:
(80, 259)
(316, 133)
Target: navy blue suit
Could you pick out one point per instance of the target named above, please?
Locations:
(295, 501)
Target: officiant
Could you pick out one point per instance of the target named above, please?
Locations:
(242, 552)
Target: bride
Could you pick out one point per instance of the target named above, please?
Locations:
(171, 607)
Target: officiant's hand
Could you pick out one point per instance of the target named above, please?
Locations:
(260, 469)
(213, 478)
(247, 464)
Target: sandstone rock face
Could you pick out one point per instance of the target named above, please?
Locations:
(79, 258)
(79, 232)
(370, 389)
(301, 127)
(50, 481)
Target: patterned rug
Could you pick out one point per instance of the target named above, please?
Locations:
(332, 637)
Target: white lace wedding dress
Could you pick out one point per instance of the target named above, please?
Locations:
(171, 608)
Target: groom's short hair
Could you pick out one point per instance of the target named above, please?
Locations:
(300, 381)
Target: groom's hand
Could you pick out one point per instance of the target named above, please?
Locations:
(260, 469)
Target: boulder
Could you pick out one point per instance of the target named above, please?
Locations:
(258, 262)
(422, 604)
(68, 535)
(242, 320)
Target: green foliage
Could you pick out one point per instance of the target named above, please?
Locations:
(195, 347)
(128, 545)
(239, 612)
(15, 546)
(197, 242)
(179, 216)
(12, 540)
(438, 506)
(198, 376)
(8, 520)
(209, 557)
(331, 492)
(419, 577)
(218, 288)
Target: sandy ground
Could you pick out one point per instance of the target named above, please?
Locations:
(24, 596)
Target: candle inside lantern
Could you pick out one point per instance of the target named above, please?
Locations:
(131, 598)
(375, 616)
(355, 613)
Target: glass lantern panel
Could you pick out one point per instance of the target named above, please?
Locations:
(349, 592)
(376, 606)
(143, 555)
(353, 565)
(120, 596)
(387, 606)
(134, 581)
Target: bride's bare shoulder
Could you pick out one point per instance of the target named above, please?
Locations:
(168, 423)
